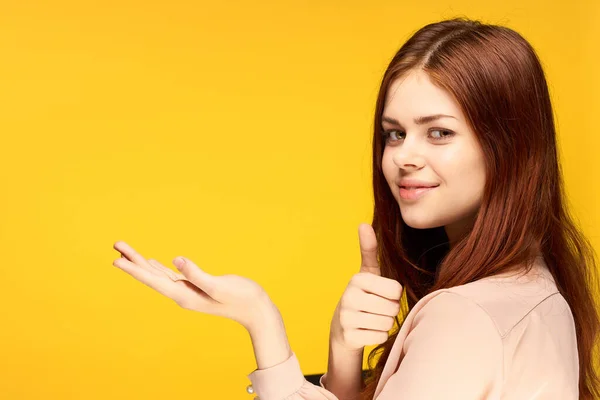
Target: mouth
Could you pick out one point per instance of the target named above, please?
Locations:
(414, 192)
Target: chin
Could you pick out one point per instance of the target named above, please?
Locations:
(421, 223)
(422, 220)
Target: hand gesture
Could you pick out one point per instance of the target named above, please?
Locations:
(366, 310)
(230, 296)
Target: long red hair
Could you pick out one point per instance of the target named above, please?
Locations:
(496, 77)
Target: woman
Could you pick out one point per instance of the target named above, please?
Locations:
(470, 223)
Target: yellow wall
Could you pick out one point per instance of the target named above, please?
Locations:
(234, 133)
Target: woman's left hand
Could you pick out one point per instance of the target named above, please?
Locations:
(230, 296)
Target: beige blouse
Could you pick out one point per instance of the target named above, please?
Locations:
(496, 338)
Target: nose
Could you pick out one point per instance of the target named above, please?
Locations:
(408, 156)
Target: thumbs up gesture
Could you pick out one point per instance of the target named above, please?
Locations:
(366, 310)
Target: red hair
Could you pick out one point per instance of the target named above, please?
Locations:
(496, 77)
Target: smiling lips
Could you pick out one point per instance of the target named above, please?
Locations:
(411, 189)
(414, 192)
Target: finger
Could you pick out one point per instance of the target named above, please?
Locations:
(374, 304)
(148, 267)
(157, 282)
(370, 337)
(368, 249)
(370, 321)
(133, 256)
(194, 274)
(167, 271)
(379, 285)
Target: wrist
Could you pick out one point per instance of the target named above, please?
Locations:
(269, 338)
(336, 343)
(344, 370)
(262, 313)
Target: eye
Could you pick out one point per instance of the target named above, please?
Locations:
(439, 134)
(392, 135)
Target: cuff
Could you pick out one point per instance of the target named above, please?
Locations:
(279, 381)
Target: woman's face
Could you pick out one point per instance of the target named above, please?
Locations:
(433, 164)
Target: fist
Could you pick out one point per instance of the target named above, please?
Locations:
(366, 311)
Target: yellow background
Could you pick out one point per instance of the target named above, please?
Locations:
(234, 133)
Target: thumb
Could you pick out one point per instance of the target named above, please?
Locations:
(194, 274)
(368, 249)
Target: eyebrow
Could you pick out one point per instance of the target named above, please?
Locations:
(419, 120)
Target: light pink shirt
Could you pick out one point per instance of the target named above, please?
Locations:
(496, 338)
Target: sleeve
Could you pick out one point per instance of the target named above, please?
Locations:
(286, 381)
(453, 351)
(322, 380)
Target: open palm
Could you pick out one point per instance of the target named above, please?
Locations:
(231, 296)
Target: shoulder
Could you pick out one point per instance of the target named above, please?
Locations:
(498, 302)
(449, 311)
(508, 300)
(451, 340)
(474, 331)
(449, 322)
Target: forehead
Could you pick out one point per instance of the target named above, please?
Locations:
(414, 95)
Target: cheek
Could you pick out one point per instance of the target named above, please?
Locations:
(463, 171)
(462, 159)
(389, 167)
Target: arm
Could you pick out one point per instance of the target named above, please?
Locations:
(453, 351)
(344, 372)
(269, 339)
(276, 363)
(278, 375)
